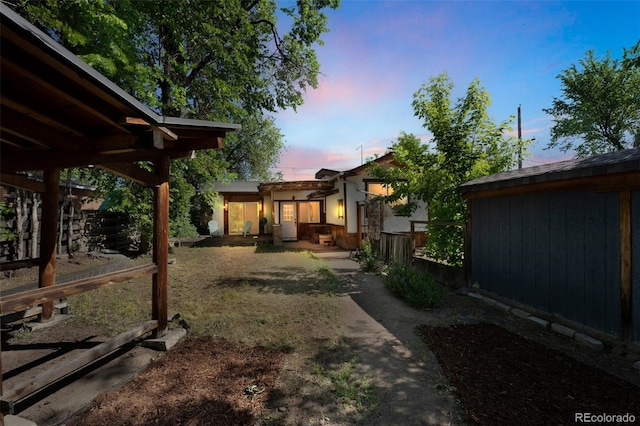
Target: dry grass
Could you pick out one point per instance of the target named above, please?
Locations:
(262, 305)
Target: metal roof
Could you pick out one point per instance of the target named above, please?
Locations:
(627, 160)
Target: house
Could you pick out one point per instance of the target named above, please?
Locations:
(332, 205)
(563, 239)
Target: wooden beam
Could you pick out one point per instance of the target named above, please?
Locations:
(42, 380)
(21, 161)
(161, 247)
(37, 132)
(32, 107)
(48, 234)
(19, 264)
(166, 133)
(132, 172)
(625, 265)
(22, 181)
(196, 144)
(76, 94)
(26, 299)
(114, 143)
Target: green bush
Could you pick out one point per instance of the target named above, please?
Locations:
(368, 260)
(418, 289)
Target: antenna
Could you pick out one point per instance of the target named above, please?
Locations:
(361, 155)
(519, 139)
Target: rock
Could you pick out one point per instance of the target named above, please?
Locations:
(462, 291)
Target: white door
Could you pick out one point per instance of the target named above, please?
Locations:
(289, 222)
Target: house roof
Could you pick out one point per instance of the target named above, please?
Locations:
(57, 112)
(627, 160)
(385, 159)
(302, 185)
(323, 173)
(246, 187)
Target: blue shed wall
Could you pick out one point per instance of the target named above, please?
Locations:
(558, 252)
(635, 265)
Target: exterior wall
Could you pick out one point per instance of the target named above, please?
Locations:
(390, 223)
(558, 252)
(635, 265)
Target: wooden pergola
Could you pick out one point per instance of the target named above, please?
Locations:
(57, 112)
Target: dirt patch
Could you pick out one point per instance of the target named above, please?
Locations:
(201, 381)
(503, 378)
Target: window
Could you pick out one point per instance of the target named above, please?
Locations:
(310, 212)
(384, 190)
(287, 212)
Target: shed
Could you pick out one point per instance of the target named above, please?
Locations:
(57, 112)
(563, 238)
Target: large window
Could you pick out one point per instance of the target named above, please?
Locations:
(377, 188)
(309, 212)
(240, 213)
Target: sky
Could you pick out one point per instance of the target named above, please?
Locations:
(379, 53)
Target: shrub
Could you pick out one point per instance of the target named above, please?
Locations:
(416, 288)
(368, 259)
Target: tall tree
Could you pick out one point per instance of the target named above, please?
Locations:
(599, 109)
(216, 60)
(466, 144)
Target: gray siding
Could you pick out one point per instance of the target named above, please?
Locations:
(635, 265)
(558, 252)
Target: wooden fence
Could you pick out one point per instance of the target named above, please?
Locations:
(90, 230)
(396, 248)
(400, 248)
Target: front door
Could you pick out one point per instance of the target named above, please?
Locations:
(289, 221)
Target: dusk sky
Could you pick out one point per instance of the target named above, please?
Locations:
(379, 53)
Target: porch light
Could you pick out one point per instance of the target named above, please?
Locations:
(340, 209)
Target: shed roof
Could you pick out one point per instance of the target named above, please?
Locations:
(627, 160)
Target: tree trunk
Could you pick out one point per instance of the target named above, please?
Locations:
(35, 225)
(21, 218)
(60, 227)
(70, 249)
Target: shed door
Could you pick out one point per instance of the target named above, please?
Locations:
(289, 222)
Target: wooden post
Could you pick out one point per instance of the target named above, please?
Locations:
(161, 247)
(625, 265)
(47, 267)
(359, 225)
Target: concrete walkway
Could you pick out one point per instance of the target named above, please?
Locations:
(378, 329)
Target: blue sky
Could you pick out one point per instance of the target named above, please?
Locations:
(379, 53)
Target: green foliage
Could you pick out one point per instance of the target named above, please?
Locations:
(599, 108)
(466, 144)
(368, 259)
(6, 212)
(418, 289)
(348, 387)
(226, 61)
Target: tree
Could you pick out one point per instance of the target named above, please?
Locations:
(599, 109)
(466, 144)
(214, 60)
